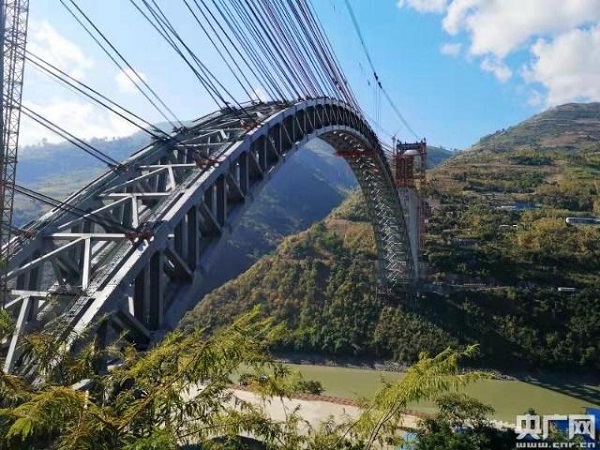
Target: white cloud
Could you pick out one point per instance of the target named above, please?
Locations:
(124, 82)
(568, 66)
(502, 26)
(80, 117)
(457, 12)
(433, 6)
(536, 98)
(499, 69)
(47, 43)
(83, 120)
(556, 41)
(450, 49)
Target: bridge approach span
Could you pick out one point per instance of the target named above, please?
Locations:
(137, 259)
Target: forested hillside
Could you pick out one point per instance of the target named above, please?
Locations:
(320, 283)
(497, 251)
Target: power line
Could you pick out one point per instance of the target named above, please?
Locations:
(93, 95)
(137, 80)
(81, 144)
(377, 80)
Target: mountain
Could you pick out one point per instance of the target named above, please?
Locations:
(573, 125)
(319, 282)
(437, 155)
(497, 251)
(551, 159)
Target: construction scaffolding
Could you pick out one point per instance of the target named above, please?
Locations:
(409, 166)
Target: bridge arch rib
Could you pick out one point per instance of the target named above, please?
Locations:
(152, 227)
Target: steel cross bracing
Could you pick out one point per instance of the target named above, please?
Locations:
(182, 196)
(14, 16)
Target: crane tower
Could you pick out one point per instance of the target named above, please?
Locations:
(13, 32)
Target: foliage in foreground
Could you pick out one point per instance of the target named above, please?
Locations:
(462, 424)
(179, 393)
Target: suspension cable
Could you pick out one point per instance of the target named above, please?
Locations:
(157, 24)
(81, 144)
(258, 38)
(247, 87)
(253, 56)
(92, 94)
(377, 80)
(120, 57)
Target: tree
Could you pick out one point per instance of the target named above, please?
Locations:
(427, 378)
(309, 387)
(459, 410)
(462, 424)
(179, 393)
(174, 392)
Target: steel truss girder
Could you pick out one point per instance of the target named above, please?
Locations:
(184, 196)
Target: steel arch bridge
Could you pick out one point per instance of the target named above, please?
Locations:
(152, 226)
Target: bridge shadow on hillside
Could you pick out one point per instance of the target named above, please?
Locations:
(579, 386)
(470, 328)
(499, 353)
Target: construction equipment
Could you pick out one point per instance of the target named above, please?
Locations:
(409, 165)
(13, 32)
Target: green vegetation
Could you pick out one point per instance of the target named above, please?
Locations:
(304, 191)
(569, 126)
(319, 283)
(467, 415)
(498, 248)
(178, 393)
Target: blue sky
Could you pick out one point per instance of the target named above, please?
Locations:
(457, 69)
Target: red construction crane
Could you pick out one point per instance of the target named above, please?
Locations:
(13, 32)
